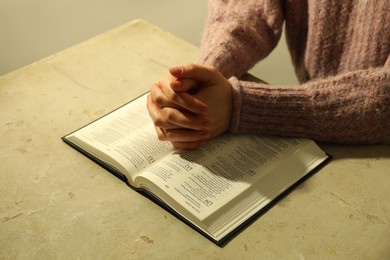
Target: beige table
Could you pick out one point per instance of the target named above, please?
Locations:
(57, 204)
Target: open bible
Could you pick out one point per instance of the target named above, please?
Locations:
(216, 189)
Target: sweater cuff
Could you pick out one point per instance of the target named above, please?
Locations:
(274, 110)
(236, 92)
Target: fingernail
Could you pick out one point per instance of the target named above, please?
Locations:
(176, 70)
(175, 84)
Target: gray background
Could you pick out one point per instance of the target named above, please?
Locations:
(33, 29)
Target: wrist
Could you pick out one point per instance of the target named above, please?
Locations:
(235, 104)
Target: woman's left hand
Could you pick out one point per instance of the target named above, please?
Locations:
(192, 106)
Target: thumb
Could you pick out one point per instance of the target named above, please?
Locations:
(184, 85)
(195, 72)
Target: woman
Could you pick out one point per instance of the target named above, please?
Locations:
(341, 54)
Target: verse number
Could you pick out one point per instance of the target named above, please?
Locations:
(208, 202)
(150, 159)
(187, 167)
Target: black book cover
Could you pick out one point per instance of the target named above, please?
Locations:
(156, 200)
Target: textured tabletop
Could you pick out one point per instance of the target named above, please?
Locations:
(57, 204)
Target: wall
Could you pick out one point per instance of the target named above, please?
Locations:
(33, 29)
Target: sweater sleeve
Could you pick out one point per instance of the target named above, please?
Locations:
(350, 108)
(239, 33)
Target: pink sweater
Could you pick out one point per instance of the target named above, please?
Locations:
(340, 51)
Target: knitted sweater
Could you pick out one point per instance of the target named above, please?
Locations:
(340, 51)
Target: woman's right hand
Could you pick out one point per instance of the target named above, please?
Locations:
(191, 105)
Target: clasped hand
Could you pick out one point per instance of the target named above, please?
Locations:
(191, 105)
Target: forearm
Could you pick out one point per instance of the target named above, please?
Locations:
(350, 108)
(239, 33)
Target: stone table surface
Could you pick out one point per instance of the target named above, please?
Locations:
(57, 204)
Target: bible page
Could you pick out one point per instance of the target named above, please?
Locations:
(125, 136)
(205, 179)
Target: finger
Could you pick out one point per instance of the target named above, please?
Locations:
(164, 96)
(182, 136)
(188, 145)
(174, 135)
(183, 119)
(171, 118)
(160, 134)
(188, 102)
(159, 98)
(195, 72)
(185, 135)
(156, 115)
(185, 85)
(185, 100)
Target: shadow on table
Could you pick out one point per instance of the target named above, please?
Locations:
(357, 151)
